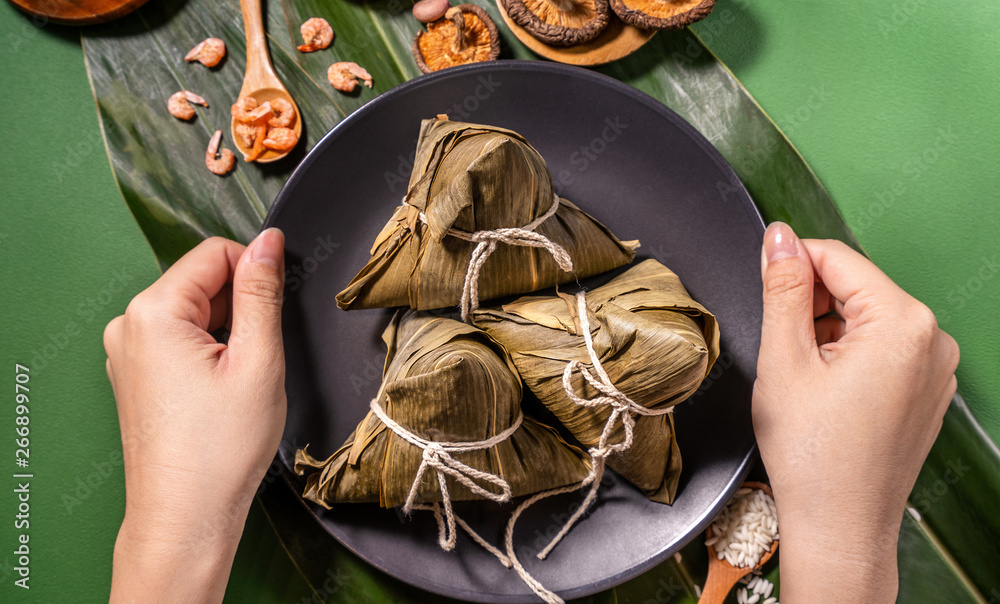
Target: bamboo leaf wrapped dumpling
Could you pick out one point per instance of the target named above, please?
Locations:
(470, 179)
(655, 343)
(445, 382)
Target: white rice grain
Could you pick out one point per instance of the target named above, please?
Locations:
(745, 529)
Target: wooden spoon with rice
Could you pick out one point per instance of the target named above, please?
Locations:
(725, 570)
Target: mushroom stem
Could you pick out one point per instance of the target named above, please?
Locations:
(566, 6)
(461, 41)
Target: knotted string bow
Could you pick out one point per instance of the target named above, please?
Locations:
(623, 409)
(437, 457)
(487, 244)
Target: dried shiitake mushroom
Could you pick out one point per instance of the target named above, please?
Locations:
(661, 14)
(465, 35)
(560, 22)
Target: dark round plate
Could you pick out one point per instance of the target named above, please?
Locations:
(633, 164)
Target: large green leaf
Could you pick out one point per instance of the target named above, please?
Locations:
(954, 507)
(136, 63)
(950, 554)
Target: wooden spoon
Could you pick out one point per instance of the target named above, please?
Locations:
(722, 575)
(260, 81)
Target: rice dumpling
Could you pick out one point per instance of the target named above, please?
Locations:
(655, 343)
(476, 192)
(446, 384)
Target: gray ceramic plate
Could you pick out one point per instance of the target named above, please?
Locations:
(638, 168)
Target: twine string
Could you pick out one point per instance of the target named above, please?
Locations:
(437, 457)
(623, 409)
(486, 243)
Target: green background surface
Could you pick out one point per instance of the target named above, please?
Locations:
(891, 104)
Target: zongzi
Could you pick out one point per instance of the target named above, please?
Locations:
(450, 402)
(655, 344)
(479, 192)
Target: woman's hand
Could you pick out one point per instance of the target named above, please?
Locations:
(200, 421)
(846, 407)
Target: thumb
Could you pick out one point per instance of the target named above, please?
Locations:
(258, 290)
(788, 331)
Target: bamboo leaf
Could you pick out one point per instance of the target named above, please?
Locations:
(318, 557)
(926, 572)
(136, 62)
(158, 161)
(955, 507)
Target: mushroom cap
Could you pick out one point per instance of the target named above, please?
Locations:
(616, 41)
(560, 22)
(662, 14)
(434, 49)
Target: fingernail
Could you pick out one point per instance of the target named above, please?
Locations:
(780, 242)
(268, 247)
